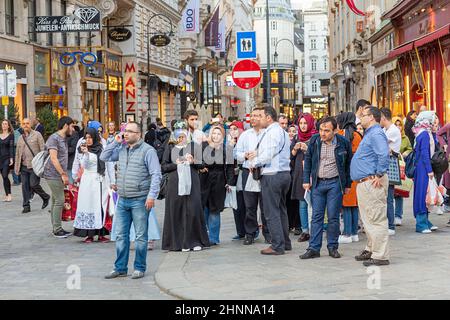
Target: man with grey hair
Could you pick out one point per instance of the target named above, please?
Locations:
(138, 184)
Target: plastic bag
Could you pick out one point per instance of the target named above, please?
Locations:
(113, 198)
(184, 179)
(239, 186)
(404, 189)
(252, 185)
(231, 199)
(434, 194)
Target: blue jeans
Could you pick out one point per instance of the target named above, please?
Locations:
(390, 208)
(131, 210)
(326, 194)
(304, 216)
(350, 221)
(213, 224)
(422, 222)
(398, 207)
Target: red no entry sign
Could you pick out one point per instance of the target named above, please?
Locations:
(246, 74)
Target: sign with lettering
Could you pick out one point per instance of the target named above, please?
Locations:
(160, 40)
(119, 34)
(130, 87)
(84, 19)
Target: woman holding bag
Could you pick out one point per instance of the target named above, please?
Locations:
(215, 179)
(443, 136)
(184, 223)
(424, 149)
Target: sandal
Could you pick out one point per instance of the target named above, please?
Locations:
(88, 240)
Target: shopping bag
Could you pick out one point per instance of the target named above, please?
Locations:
(70, 203)
(307, 198)
(184, 179)
(231, 199)
(434, 194)
(252, 185)
(394, 171)
(404, 189)
(113, 198)
(239, 186)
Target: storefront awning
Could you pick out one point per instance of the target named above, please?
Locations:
(163, 78)
(389, 66)
(401, 49)
(433, 36)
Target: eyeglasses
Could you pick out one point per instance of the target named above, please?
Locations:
(365, 115)
(130, 131)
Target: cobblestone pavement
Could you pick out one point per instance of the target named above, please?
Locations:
(35, 265)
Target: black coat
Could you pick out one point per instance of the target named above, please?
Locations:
(72, 148)
(297, 192)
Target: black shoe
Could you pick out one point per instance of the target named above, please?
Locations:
(26, 209)
(62, 234)
(304, 237)
(249, 240)
(297, 232)
(45, 203)
(310, 254)
(334, 253)
(375, 262)
(288, 248)
(363, 256)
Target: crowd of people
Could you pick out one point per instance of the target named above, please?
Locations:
(304, 177)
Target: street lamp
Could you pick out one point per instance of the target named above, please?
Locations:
(160, 44)
(275, 61)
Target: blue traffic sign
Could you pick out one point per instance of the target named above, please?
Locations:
(246, 44)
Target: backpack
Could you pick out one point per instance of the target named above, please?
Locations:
(410, 164)
(39, 162)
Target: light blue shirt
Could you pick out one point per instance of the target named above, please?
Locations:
(247, 142)
(372, 156)
(274, 152)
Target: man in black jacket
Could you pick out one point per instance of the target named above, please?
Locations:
(326, 175)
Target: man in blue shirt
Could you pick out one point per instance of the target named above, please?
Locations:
(369, 168)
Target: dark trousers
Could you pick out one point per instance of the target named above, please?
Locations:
(239, 214)
(5, 173)
(293, 207)
(31, 184)
(327, 194)
(274, 188)
(252, 199)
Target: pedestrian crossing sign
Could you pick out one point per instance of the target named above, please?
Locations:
(246, 44)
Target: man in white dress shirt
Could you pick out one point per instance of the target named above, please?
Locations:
(273, 158)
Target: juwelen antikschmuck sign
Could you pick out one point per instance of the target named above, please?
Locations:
(83, 19)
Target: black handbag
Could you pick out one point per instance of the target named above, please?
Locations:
(163, 186)
(439, 162)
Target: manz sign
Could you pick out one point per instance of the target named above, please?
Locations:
(130, 85)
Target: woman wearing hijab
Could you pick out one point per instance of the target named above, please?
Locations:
(184, 222)
(293, 204)
(347, 128)
(306, 129)
(443, 136)
(236, 129)
(409, 124)
(424, 149)
(93, 191)
(216, 177)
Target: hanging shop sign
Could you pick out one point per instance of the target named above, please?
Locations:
(119, 34)
(160, 40)
(83, 20)
(130, 87)
(70, 58)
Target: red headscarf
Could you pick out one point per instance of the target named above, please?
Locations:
(238, 124)
(311, 130)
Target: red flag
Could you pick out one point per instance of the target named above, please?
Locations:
(353, 7)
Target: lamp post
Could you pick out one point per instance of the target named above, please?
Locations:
(275, 55)
(170, 34)
(268, 80)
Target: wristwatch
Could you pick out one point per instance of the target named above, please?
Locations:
(379, 175)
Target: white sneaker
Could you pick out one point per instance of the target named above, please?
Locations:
(355, 238)
(434, 228)
(344, 239)
(398, 221)
(198, 248)
(391, 232)
(426, 231)
(185, 250)
(437, 210)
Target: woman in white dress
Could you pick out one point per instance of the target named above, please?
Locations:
(93, 191)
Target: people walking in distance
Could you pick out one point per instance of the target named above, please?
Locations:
(246, 145)
(291, 202)
(424, 148)
(395, 141)
(38, 126)
(306, 129)
(184, 221)
(29, 144)
(272, 159)
(443, 136)
(369, 168)
(327, 176)
(138, 184)
(409, 124)
(405, 149)
(55, 172)
(6, 156)
(347, 128)
(92, 204)
(216, 178)
(111, 132)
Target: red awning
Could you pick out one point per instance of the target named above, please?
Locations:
(401, 49)
(432, 36)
